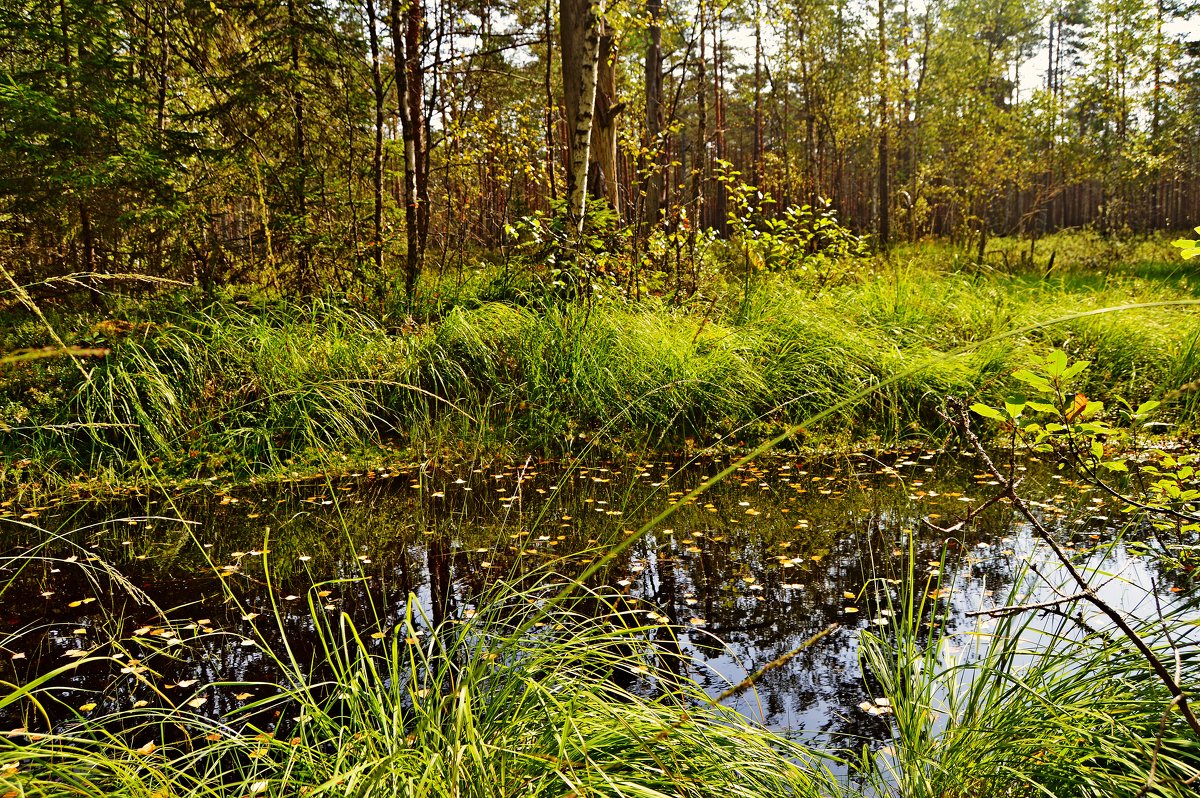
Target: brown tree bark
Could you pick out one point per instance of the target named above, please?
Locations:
(377, 152)
(410, 107)
(580, 33)
(654, 116)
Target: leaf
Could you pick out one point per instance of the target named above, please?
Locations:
(1033, 380)
(1014, 405)
(1097, 450)
(147, 749)
(1056, 363)
(88, 707)
(196, 703)
(1077, 407)
(987, 412)
(1074, 369)
(1115, 465)
(1146, 407)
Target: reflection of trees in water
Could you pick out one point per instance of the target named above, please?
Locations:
(762, 577)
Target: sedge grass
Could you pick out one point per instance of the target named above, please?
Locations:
(242, 389)
(1034, 703)
(473, 706)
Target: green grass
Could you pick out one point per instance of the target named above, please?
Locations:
(259, 386)
(482, 705)
(1030, 703)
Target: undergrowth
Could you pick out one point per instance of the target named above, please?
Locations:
(251, 386)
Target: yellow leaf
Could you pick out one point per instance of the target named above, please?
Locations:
(147, 749)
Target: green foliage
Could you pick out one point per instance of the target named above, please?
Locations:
(482, 705)
(1191, 248)
(1009, 709)
(805, 242)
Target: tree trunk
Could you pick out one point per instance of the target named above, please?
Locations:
(410, 102)
(654, 118)
(305, 279)
(758, 109)
(579, 24)
(377, 152)
(884, 200)
(414, 29)
(602, 160)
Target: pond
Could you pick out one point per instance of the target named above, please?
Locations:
(782, 550)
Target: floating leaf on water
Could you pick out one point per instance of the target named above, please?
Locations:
(187, 683)
(697, 621)
(139, 704)
(848, 595)
(243, 696)
(76, 653)
(198, 702)
(290, 597)
(147, 749)
(88, 707)
(324, 593)
(850, 609)
(250, 616)
(259, 786)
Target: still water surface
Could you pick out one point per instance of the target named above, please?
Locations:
(750, 570)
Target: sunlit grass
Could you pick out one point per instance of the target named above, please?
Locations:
(1056, 703)
(493, 702)
(263, 387)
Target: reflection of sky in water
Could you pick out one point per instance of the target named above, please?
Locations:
(754, 568)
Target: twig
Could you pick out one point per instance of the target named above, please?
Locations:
(962, 422)
(1004, 612)
(968, 518)
(752, 679)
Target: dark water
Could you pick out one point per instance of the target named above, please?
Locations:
(757, 565)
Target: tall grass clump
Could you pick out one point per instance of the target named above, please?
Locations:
(248, 387)
(494, 703)
(1053, 703)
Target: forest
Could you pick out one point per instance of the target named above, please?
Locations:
(311, 145)
(739, 398)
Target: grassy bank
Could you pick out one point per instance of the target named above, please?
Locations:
(525, 692)
(242, 385)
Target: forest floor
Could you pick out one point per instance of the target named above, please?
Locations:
(247, 386)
